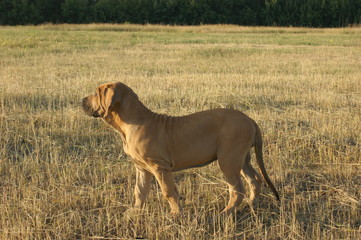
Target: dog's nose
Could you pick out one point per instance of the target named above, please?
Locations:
(87, 109)
(84, 103)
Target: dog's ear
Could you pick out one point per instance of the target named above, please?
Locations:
(108, 98)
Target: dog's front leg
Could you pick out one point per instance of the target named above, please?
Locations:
(166, 181)
(142, 187)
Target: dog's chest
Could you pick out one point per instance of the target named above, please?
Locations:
(147, 152)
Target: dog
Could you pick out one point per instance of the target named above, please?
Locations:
(160, 145)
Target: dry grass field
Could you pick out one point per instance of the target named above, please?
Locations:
(63, 175)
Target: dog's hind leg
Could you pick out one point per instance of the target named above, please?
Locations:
(231, 169)
(253, 179)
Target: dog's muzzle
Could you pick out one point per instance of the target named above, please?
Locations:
(88, 109)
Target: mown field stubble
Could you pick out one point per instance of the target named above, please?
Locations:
(64, 175)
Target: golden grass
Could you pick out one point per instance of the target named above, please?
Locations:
(64, 175)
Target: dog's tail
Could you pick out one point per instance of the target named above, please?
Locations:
(259, 156)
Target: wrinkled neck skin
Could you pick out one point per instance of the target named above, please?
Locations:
(127, 116)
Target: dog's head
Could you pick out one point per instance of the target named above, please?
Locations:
(103, 101)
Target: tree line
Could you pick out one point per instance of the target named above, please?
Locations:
(308, 13)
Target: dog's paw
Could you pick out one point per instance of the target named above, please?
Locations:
(176, 214)
(133, 213)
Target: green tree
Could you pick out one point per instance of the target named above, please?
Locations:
(76, 11)
(49, 10)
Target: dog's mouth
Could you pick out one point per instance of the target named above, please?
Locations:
(88, 109)
(96, 114)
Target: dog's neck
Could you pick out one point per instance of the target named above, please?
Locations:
(127, 115)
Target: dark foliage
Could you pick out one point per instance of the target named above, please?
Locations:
(311, 13)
